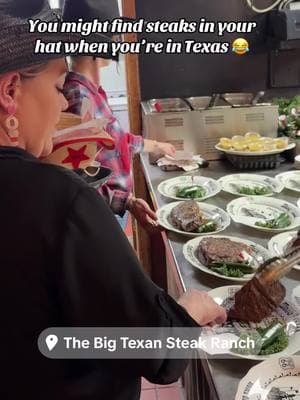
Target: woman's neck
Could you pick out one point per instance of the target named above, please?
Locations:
(88, 68)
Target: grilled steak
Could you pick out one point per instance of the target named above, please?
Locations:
(254, 301)
(221, 249)
(293, 243)
(186, 216)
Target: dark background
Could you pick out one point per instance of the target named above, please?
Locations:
(276, 72)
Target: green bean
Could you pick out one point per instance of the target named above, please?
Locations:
(283, 221)
(246, 268)
(270, 334)
(209, 226)
(191, 192)
(256, 190)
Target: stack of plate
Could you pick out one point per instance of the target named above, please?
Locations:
(272, 379)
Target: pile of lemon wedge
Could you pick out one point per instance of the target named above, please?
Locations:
(253, 141)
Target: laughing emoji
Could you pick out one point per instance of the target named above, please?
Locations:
(240, 46)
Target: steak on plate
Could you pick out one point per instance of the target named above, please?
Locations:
(295, 242)
(254, 301)
(222, 249)
(186, 216)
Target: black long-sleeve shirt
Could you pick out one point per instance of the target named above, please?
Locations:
(65, 262)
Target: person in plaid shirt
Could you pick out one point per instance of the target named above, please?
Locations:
(83, 82)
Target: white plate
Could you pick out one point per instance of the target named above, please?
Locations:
(272, 379)
(296, 296)
(208, 210)
(255, 153)
(277, 244)
(232, 183)
(190, 251)
(220, 294)
(168, 188)
(290, 180)
(249, 210)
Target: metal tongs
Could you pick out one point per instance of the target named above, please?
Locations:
(213, 101)
(275, 268)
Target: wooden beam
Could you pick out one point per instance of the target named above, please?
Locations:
(132, 75)
(141, 239)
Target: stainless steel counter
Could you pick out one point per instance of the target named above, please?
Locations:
(223, 375)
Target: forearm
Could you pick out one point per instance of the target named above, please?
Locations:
(163, 148)
(150, 146)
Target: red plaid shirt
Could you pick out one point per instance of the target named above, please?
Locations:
(118, 188)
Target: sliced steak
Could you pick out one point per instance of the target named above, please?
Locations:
(254, 302)
(221, 249)
(186, 216)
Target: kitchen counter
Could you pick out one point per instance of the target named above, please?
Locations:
(222, 376)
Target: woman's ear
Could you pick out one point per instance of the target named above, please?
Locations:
(9, 86)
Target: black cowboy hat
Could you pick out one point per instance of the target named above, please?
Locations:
(88, 10)
(103, 10)
(17, 44)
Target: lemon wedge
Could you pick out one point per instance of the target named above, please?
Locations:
(255, 146)
(252, 136)
(281, 143)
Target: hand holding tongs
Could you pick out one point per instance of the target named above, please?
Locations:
(275, 268)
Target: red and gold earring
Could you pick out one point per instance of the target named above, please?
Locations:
(12, 125)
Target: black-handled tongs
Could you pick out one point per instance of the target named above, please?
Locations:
(214, 100)
(275, 268)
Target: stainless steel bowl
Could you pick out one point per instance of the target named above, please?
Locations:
(203, 102)
(199, 103)
(168, 105)
(238, 99)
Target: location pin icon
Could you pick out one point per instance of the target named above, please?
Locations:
(51, 341)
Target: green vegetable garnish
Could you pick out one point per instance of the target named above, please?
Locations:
(255, 190)
(227, 271)
(283, 221)
(240, 345)
(191, 192)
(273, 339)
(280, 343)
(209, 226)
(234, 270)
(268, 341)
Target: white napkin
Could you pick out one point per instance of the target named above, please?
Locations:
(185, 160)
(181, 156)
(183, 164)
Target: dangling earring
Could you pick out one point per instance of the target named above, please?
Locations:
(12, 125)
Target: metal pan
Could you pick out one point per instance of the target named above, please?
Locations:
(239, 99)
(168, 105)
(204, 102)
